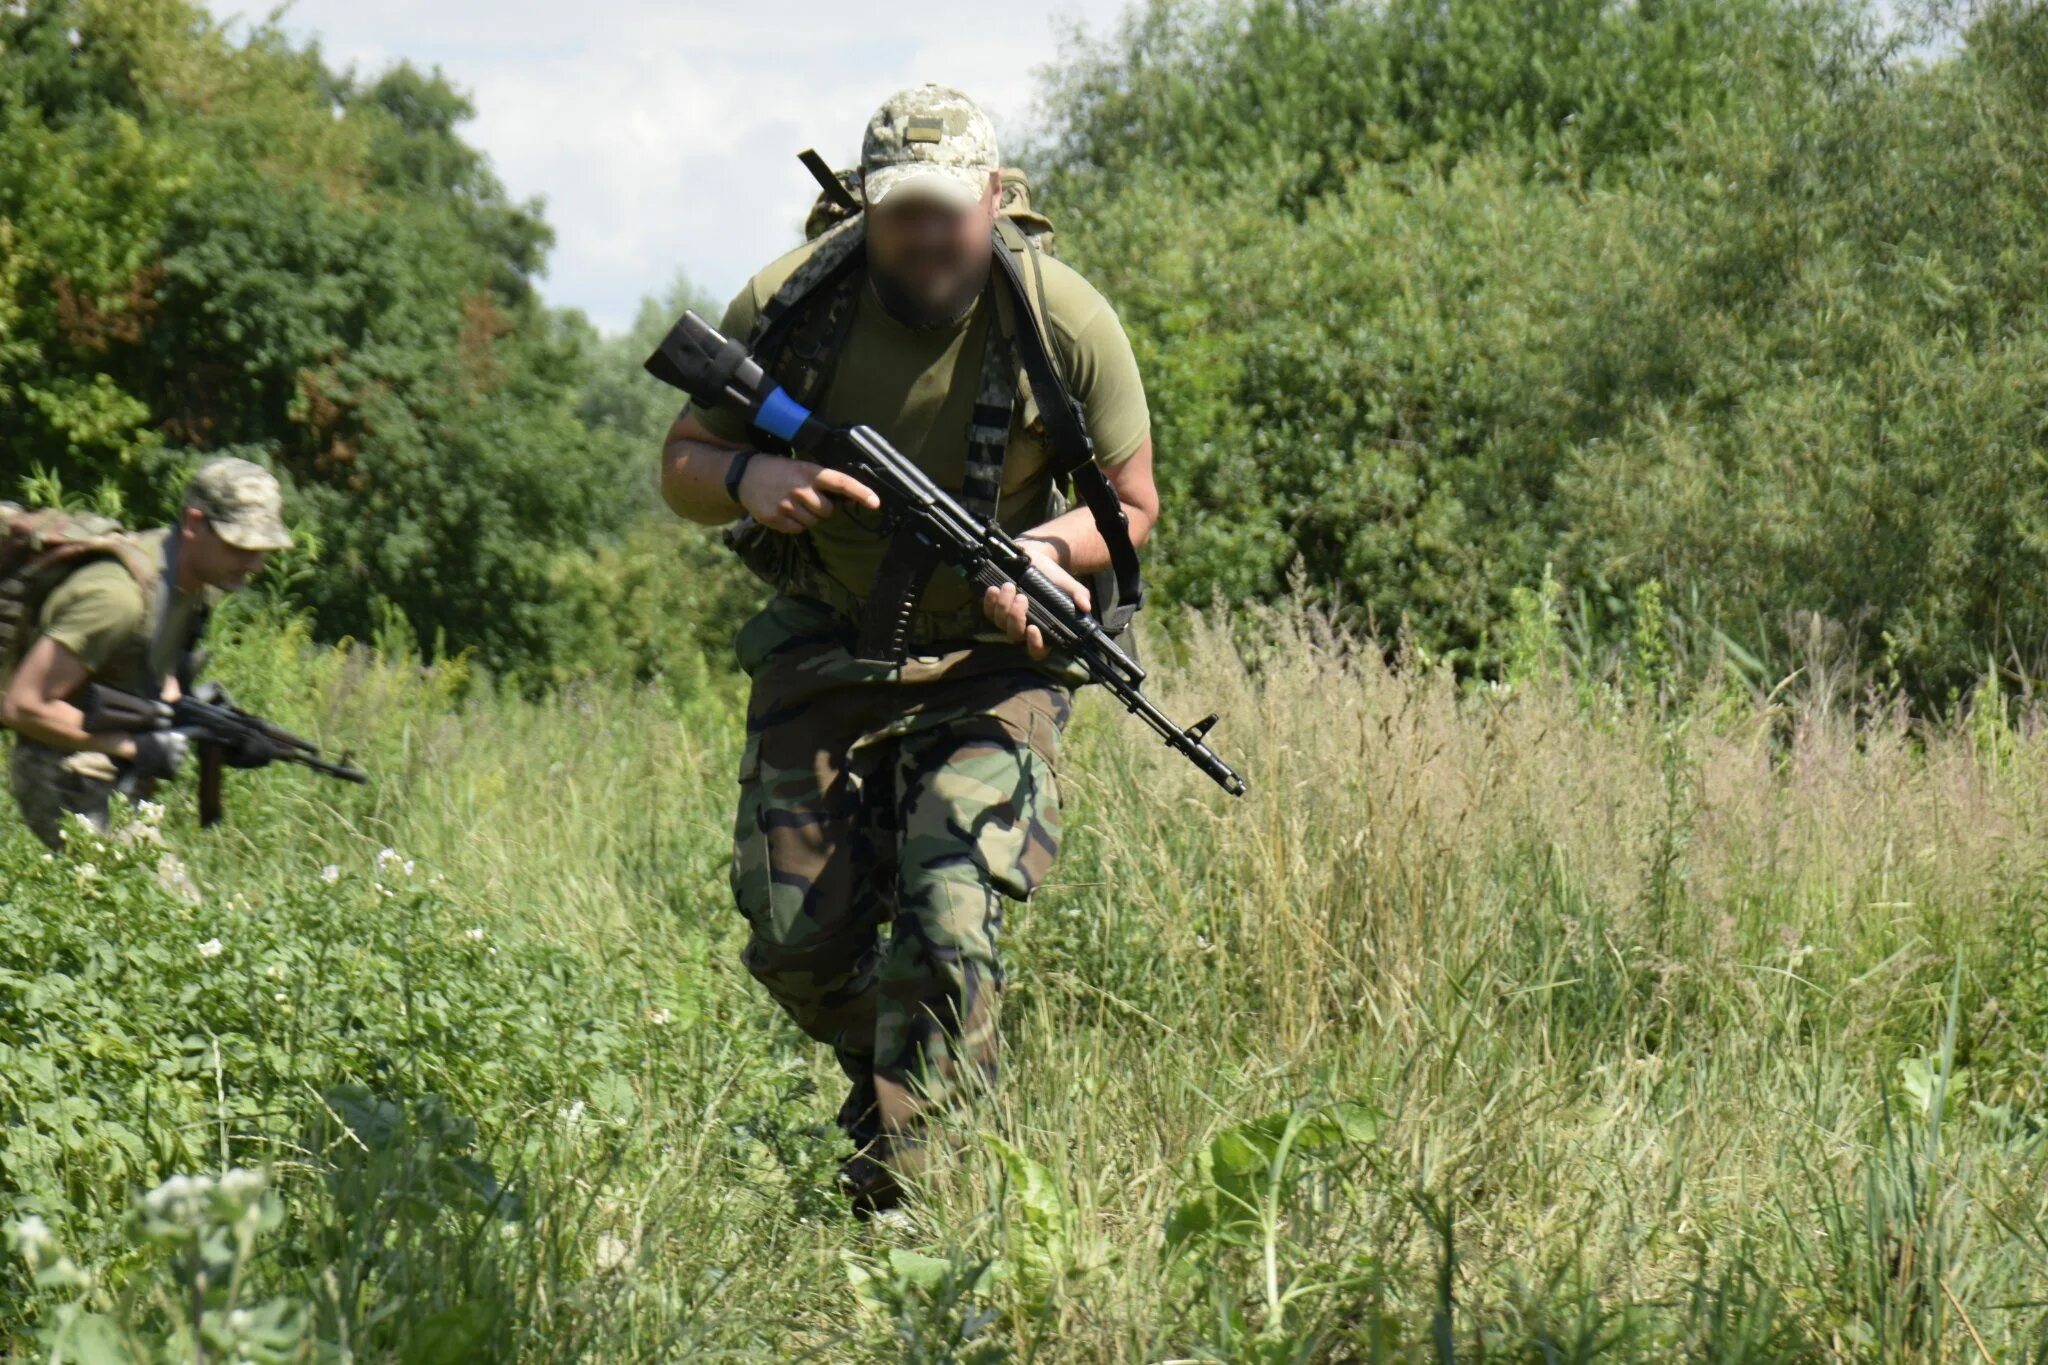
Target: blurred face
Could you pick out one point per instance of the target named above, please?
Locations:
(928, 258)
(204, 559)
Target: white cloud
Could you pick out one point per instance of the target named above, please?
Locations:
(663, 136)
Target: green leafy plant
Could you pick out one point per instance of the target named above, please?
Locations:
(1251, 1208)
(201, 1306)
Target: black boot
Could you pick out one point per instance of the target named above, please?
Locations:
(859, 1118)
(863, 1177)
(868, 1184)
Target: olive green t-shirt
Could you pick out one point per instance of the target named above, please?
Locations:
(100, 613)
(917, 388)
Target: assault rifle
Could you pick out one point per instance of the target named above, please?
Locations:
(696, 358)
(222, 732)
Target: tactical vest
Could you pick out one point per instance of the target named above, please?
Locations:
(798, 337)
(41, 547)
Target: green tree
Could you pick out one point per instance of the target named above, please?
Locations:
(228, 246)
(1732, 297)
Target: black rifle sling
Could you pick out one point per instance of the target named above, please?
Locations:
(907, 568)
(1072, 449)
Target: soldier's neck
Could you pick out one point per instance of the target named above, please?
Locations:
(901, 310)
(182, 575)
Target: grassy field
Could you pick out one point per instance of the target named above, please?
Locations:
(1535, 1023)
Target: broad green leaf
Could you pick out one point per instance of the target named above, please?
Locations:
(90, 1339)
(453, 1336)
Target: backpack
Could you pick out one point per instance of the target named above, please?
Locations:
(40, 548)
(1021, 236)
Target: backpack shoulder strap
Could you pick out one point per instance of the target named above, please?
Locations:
(801, 327)
(831, 256)
(1066, 427)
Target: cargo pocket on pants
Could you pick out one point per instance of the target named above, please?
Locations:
(749, 874)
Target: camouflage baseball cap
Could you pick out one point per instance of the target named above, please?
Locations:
(241, 502)
(928, 140)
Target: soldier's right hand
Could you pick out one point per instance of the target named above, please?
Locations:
(792, 496)
(160, 753)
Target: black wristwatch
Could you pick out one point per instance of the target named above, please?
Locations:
(735, 470)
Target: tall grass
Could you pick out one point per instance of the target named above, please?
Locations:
(1538, 1022)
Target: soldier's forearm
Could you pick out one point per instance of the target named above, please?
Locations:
(693, 481)
(60, 725)
(1074, 536)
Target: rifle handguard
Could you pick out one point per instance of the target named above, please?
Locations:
(107, 709)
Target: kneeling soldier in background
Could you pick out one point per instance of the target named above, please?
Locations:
(82, 602)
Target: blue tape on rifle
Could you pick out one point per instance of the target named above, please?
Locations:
(781, 416)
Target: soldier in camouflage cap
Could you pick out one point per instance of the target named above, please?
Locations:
(130, 617)
(889, 810)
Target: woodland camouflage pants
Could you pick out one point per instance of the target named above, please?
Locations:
(51, 784)
(884, 817)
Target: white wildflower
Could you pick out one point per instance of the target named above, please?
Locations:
(330, 874)
(240, 1321)
(180, 1199)
(31, 1237)
(574, 1113)
(657, 1017)
(386, 857)
(176, 878)
(242, 1184)
(210, 949)
(86, 873)
(150, 812)
(475, 934)
(280, 997)
(612, 1252)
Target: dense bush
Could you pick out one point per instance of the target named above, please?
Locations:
(349, 1023)
(1728, 297)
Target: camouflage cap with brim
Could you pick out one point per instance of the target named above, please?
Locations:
(928, 142)
(242, 502)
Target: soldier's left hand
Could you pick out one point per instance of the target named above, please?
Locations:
(249, 750)
(1010, 609)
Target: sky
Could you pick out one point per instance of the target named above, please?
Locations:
(662, 134)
